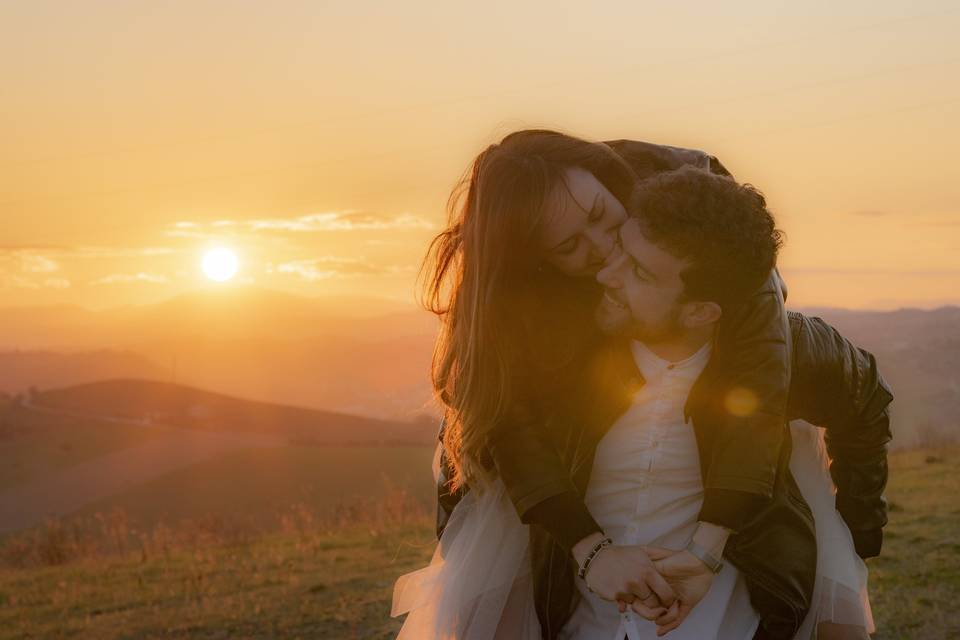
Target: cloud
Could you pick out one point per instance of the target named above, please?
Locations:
(325, 221)
(126, 278)
(32, 263)
(14, 281)
(328, 267)
(81, 251)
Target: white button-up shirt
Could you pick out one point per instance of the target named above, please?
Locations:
(645, 488)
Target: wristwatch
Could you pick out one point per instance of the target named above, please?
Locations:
(705, 556)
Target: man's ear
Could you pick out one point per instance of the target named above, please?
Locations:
(701, 313)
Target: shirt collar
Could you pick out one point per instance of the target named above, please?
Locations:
(653, 367)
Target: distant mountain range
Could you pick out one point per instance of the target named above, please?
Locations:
(352, 355)
(372, 358)
(148, 403)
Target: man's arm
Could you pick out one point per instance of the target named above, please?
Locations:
(838, 386)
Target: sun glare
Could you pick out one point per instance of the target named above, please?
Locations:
(220, 264)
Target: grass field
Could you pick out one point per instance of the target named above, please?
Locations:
(249, 481)
(313, 582)
(52, 444)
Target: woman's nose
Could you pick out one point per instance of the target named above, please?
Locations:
(601, 241)
(608, 275)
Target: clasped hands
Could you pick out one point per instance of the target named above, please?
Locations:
(660, 585)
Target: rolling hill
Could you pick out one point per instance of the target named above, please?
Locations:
(148, 402)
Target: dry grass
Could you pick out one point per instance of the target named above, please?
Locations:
(330, 574)
(316, 574)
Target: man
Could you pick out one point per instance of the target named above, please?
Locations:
(694, 244)
(834, 385)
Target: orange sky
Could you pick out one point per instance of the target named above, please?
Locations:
(319, 140)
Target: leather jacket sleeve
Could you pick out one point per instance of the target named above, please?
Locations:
(752, 351)
(553, 502)
(837, 386)
(522, 453)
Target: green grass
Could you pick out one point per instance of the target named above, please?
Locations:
(915, 583)
(320, 584)
(279, 587)
(59, 444)
(249, 481)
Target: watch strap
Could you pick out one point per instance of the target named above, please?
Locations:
(713, 563)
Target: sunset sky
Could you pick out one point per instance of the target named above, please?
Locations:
(319, 140)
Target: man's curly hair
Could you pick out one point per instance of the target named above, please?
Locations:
(722, 228)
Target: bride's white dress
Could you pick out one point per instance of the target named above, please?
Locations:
(478, 583)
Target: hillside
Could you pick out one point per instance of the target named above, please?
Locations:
(179, 405)
(163, 450)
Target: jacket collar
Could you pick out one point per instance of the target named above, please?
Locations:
(613, 379)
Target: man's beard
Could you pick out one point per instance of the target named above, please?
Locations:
(623, 323)
(669, 329)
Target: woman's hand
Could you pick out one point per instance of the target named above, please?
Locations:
(626, 574)
(690, 579)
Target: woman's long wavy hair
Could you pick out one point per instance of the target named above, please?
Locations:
(509, 322)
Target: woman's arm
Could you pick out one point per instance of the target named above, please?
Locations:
(748, 406)
(536, 481)
(838, 386)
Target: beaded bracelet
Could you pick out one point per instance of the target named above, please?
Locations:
(590, 556)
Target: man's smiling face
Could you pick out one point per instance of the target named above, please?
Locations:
(644, 291)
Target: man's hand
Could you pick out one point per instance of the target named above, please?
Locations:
(690, 579)
(626, 574)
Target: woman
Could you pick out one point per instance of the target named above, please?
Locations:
(522, 249)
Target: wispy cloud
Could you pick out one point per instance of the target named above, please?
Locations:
(48, 251)
(325, 221)
(14, 281)
(126, 278)
(32, 263)
(327, 267)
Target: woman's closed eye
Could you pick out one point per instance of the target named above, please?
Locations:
(567, 247)
(597, 212)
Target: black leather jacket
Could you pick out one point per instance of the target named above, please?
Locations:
(834, 384)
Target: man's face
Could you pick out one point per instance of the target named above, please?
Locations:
(580, 229)
(643, 289)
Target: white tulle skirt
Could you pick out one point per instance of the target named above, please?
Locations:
(478, 583)
(840, 593)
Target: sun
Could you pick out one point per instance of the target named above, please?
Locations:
(220, 264)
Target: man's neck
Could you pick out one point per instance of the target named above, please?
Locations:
(682, 346)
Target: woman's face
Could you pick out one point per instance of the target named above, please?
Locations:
(580, 228)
